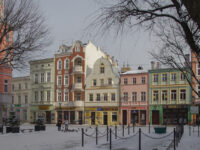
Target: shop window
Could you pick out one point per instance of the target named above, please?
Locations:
(114, 116)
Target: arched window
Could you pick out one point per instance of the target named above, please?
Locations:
(59, 64)
(67, 64)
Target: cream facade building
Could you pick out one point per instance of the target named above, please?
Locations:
(102, 93)
(42, 90)
(21, 98)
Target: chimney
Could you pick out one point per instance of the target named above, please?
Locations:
(158, 65)
(140, 68)
(125, 69)
(152, 65)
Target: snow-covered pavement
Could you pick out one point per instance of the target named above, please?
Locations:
(51, 139)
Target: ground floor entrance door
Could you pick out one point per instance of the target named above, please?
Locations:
(92, 118)
(105, 118)
(124, 121)
(72, 117)
(80, 117)
(155, 117)
(48, 116)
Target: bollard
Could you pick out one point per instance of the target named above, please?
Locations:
(115, 132)
(123, 130)
(189, 130)
(133, 128)
(82, 137)
(96, 135)
(139, 138)
(110, 138)
(128, 129)
(198, 129)
(174, 139)
(149, 127)
(107, 133)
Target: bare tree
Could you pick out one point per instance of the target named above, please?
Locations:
(170, 20)
(23, 31)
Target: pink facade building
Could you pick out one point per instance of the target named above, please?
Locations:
(134, 97)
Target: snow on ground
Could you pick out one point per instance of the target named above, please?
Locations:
(51, 139)
(190, 142)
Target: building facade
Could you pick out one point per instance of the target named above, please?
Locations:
(21, 98)
(102, 93)
(72, 65)
(170, 97)
(42, 90)
(134, 97)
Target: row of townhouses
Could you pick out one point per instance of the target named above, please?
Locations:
(85, 86)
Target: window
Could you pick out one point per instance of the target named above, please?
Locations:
(155, 95)
(48, 95)
(26, 86)
(42, 77)
(143, 80)
(66, 96)
(198, 69)
(6, 86)
(164, 95)
(109, 81)
(26, 99)
(155, 78)
(102, 82)
(114, 116)
(102, 69)
(98, 97)
(125, 81)
(134, 96)
(19, 99)
(78, 79)
(66, 64)
(173, 95)
(94, 82)
(41, 96)
(143, 96)
(36, 96)
(125, 96)
(36, 78)
(59, 96)
(113, 96)
(173, 77)
(183, 76)
(183, 94)
(48, 76)
(19, 86)
(91, 97)
(13, 87)
(66, 79)
(134, 80)
(105, 97)
(59, 80)
(78, 96)
(59, 64)
(164, 77)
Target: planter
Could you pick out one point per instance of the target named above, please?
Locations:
(160, 130)
(8, 129)
(15, 129)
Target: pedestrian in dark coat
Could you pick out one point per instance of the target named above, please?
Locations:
(59, 125)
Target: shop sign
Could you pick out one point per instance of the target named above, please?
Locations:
(43, 107)
(109, 109)
(99, 109)
(194, 109)
(134, 111)
(90, 109)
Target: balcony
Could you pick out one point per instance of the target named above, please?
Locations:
(77, 69)
(5, 98)
(77, 86)
(70, 104)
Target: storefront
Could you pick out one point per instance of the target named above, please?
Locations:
(101, 115)
(176, 114)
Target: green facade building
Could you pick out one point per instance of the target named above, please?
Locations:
(169, 97)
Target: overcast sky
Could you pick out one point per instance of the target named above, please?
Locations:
(68, 21)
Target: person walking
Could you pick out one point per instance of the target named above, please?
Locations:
(59, 124)
(66, 125)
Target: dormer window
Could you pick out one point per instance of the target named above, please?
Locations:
(102, 69)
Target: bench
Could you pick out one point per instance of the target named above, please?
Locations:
(29, 130)
(160, 130)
